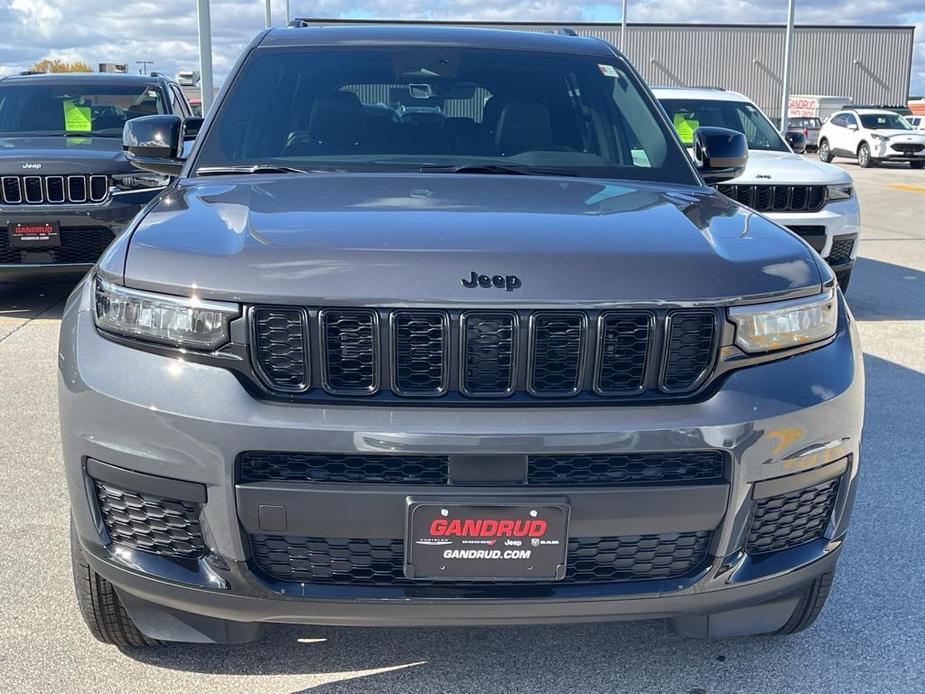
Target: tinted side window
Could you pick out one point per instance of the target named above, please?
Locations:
(839, 120)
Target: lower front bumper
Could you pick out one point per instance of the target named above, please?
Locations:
(738, 605)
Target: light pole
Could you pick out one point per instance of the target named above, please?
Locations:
(788, 52)
(288, 16)
(144, 65)
(205, 54)
(623, 29)
(269, 14)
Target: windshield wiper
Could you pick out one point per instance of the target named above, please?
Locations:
(252, 169)
(504, 169)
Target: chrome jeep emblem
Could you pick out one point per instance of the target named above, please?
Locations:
(765, 176)
(31, 165)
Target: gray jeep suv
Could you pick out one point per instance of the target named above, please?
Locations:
(444, 326)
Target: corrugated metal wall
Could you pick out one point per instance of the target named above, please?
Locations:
(869, 64)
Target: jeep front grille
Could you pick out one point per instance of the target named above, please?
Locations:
(53, 190)
(483, 354)
(769, 198)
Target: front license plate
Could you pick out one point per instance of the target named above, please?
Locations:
(485, 541)
(34, 235)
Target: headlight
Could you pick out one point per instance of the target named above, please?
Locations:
(141, 180)
(878, 136)
(169, 320)
(768, 327)
(841, 192)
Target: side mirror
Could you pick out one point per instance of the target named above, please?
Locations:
(796, 140)
(153, 143)
(721, 154)
(191, 127)
(852, 126)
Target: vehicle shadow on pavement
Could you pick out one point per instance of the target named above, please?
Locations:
(26, 301)
(882, 291)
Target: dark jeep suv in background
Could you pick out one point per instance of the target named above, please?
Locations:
(444, 326)
(66, 189)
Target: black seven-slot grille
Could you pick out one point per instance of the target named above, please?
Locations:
(380, 562)
(604, 469)
(771, 198)
(53, 190)
(485, 353)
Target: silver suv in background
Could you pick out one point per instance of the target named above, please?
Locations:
(815, 201)
(872, 136)
(443, 326)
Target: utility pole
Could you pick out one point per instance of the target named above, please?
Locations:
(144, 65)
(623, 29)
(269, 14)
(288, 16)
(788, 53)
(205, 54)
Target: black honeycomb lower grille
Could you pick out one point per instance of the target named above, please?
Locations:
(604, 470)
(78, 246)
(380, 562)
(840, 252)
(791, 519)
(362, 469)
(167, 527)
(613, 470)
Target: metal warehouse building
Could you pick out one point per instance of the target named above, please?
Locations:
(870, 64)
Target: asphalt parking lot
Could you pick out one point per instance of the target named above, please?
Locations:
(868, 639)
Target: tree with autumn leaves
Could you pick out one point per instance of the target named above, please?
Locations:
(57, 65)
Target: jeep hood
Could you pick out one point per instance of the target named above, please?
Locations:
(60, 155)
(399, 239)
(787, 168)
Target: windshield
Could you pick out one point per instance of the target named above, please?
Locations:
(82, 108)
(440, 108)
(689, 114)
(884, 121)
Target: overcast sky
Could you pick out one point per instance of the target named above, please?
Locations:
(164, 31)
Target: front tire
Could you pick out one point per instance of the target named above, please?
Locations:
(100, 607)
(825, 154)
(865, 161)
(811, 603)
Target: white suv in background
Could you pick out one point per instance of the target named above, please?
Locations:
(816, 201)
(871, 136)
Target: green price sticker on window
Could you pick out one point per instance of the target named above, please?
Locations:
(76, 118)
(685, 125)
